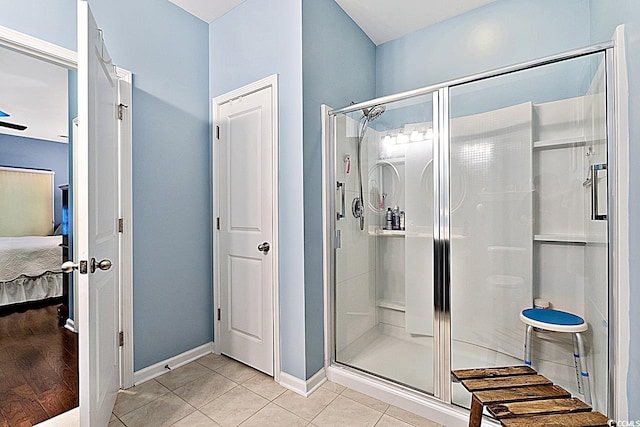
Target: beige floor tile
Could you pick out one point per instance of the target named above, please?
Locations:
(197, 419)
(214, 361)
(163, 411)
(273, 415)
(138, 396)
(348, 413)
(365, 400)
(305, 407)
(115, 422)
(180, 376)
(265, 386)
(387, 421)
(206, 388)
(234, 406)
(410, 417)
(331, 386)
(237, 371)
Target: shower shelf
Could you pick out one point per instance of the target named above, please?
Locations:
(561, 238)
(574, 141)
(391, 305)
(394, 160)
(386, 233)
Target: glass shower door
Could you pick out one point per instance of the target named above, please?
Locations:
(383, 297)
(526, 151)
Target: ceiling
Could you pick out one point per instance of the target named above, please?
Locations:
(381, 20)
(384, 20)
(207, 10)
(34, 94)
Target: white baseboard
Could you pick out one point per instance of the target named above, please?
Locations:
(155, 370)
(303, 388)
(70, 326)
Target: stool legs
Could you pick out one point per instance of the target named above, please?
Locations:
(527, 346)
(576, 362)
(584, 373)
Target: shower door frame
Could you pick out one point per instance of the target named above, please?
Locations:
(441, 398)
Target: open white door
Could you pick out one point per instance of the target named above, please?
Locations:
(96, 216)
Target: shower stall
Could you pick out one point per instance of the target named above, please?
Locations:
(454, 207)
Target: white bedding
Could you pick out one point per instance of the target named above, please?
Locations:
(29, 256)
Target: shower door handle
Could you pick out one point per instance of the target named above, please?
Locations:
(595, 215)
(342, 214)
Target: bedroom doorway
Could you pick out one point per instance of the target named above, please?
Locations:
(38, 386)
(38, 354)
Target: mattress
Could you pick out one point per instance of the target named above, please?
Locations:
(30, 256)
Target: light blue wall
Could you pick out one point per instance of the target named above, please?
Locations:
(502, 33)
(338, 67)
(257, 39)
(165, 48)
(605, 16)
(51, 20)
(20, 152)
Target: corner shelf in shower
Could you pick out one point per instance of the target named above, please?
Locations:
(573, 141)
(393, 160)
(561, 238)
(386, 233)
(391, 305)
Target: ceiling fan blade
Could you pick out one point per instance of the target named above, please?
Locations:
(12, 126)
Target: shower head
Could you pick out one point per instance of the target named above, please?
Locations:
(374, 112)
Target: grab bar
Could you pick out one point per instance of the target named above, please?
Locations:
(344, 205)
(595, 216)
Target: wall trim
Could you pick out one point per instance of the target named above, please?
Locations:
(125, 140)
(157, 369)
(41, 49)
(303, 388)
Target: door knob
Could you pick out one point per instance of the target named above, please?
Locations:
(103, 265)
(69, 266)
(264, 247)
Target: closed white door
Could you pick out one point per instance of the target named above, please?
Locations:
(96, 232)
(246, 228)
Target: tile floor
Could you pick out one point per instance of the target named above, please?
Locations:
(218, 391)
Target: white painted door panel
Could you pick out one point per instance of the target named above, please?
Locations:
(246, 206)
(96, 212)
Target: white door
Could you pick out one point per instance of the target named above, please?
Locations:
(246, 228)
(96, 232)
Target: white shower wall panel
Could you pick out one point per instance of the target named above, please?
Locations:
(560, 275)
(492, 261)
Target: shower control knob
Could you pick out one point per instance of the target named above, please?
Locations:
(264, 247)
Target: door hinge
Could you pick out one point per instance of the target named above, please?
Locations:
(121, 108)
(120, 225)
(337, 239)
(218, 314)
(218, 223)
(121, 339)
(217, 132)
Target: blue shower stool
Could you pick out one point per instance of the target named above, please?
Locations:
(560, 321)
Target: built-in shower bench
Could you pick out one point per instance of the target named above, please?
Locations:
(518, 396)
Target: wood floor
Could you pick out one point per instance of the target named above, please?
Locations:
(38, 367)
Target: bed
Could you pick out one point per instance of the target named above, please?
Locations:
(30, 269)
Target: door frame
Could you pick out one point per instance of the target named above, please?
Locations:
(67, 58)
(268, 82)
